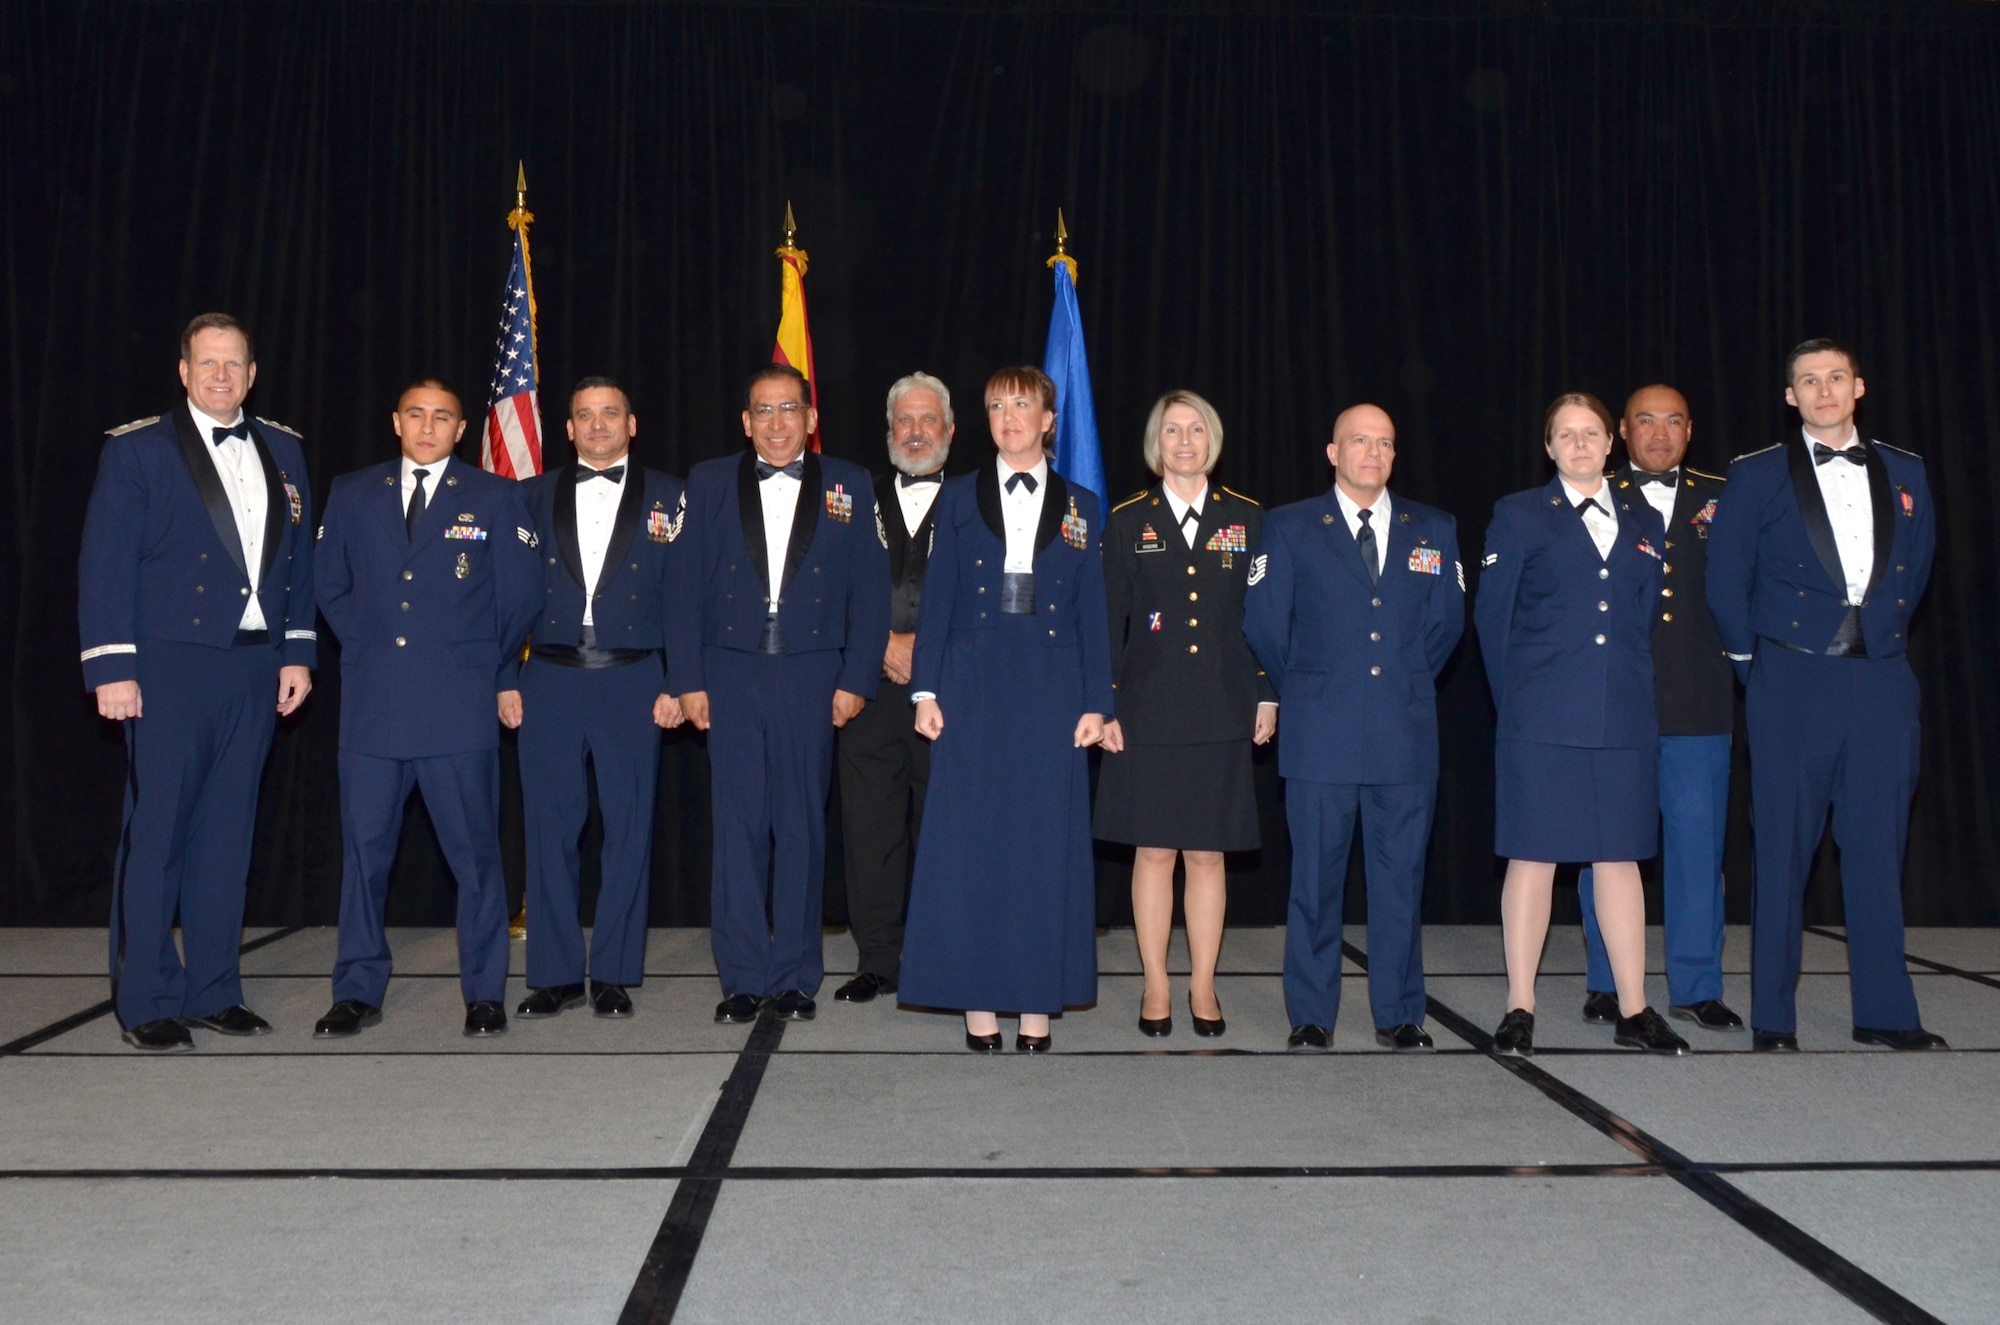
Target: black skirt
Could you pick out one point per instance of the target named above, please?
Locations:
(1187, 797)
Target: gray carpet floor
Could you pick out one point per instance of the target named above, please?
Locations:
(862, 1167)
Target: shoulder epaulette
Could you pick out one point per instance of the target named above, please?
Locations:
(282, 427)
(1239, 496)
(1137, 496)
(1702, 473)
(1900, 450)
(133, 426)
(1776, 446)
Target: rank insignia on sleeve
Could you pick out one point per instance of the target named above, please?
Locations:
(840, 504)
(1258, 565)
(463, 568)
(298, 505)
(468, 533)
(1149, 540)
(526, 535)
(1153, 621)
(1426, 561)
(1488, 560)
(881, 530)
(1075, 529)
(321, 534)
(1461, 575)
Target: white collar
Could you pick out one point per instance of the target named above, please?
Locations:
(1181, 508)
(1007, 471)
(435, 469)
(1352, 509)
(1853, 436)
(204, 422)
(1577, 498)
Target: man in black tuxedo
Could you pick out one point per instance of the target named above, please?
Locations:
(884, 764)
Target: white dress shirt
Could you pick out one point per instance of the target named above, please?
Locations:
(779, 495)
(1190, 529)
(1660, 496)
(1598, 521)
(596, 512)
(242, 476)
(1844, 487)
(1021, 514)
(916, 499)
(1378, 520)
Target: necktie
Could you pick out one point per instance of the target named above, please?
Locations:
(1858, 453)
(222, 434)
(1587, 505)
(1015, 480)
(415, 513)
(911, 480)
(1666, 480)
(1191, 515)
(584, 473)
(1364, 537)
(797, 469)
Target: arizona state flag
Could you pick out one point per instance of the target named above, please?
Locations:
(795, 347)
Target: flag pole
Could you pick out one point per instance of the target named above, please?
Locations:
(520, 219)
(1062, 248)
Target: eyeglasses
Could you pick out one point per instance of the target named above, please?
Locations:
(787, 408)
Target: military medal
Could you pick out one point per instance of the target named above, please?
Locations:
(1075, 529)
(1229, 542)
(840, 504)
(292, 496)
(1426, 561)
(1909, 507)
(1150, 541)
(464, 567)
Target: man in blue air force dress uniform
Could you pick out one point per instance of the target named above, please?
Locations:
(427, 573)
(775, 638)
(594, 687)
(1819, 553)
(1356, 600)
(195, 607)
(1696, 700)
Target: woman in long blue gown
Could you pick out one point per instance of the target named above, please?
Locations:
(1012, 682)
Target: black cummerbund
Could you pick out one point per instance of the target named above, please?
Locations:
(1017, 593)
(252, 637)
(562, 655)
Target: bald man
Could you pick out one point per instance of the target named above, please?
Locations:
(1355, 601)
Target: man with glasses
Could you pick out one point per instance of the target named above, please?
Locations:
(775, 637)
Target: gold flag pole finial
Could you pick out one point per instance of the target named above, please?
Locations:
(791, 226)
(520, 183)
(790, 249)
(1062, 248)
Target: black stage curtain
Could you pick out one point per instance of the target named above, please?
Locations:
(1454, 209)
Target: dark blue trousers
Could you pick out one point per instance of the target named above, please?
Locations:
(1694, 823)
(1839, 734)
(462, 794)
(770, 759)
(195, 760)
(1395, 835)
(604, 715)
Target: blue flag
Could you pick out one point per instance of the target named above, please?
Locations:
(1079, 458)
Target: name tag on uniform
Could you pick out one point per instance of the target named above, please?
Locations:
(1427, 561)
(466, 531)
(1075, 529)
(1150, 541)
(840, 504)
(298, 506)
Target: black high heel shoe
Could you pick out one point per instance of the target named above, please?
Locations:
(1202, 1025)
(1157, 1027)
(983, 1044)
(1031, 1044)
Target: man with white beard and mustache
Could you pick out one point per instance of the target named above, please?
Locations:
(884, 764)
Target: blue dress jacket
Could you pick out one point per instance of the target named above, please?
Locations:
(628, 610)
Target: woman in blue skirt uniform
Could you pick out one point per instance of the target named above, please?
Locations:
(1011, 679)
(1565, 615)
(1191, 700)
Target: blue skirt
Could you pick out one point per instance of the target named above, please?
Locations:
(1566, 804)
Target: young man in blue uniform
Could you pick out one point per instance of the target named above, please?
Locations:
(775, 638)
(1356, 600)
(428, 575)
(1819, 554)
(594, 688)
(195, 595)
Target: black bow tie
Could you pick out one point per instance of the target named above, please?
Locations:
(1589, 504)
(1857, 453)
(240, 431)
(797, 469)
(616, 473)
(1666, 480)
(1015, 480)
(911, 480)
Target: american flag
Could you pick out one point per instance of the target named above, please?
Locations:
(513, 444)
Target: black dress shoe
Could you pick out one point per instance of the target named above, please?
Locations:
(1711, 1014)
(795, 1005)
(1913, 1039)
(863, 988)
(1600, 1008)
(1404, 1039)
(163, 1036)
(1774, 1042)
(486, 1017)
(1648, 1030)
(1516, 1036)
(1032, 1044)
(345, 1018)
(238, 1020)
(1157, 1027)
(610, 1000)
(549, 1000)
(983, 1044)
(737, 1009)
(1309, 1037)
(1203, 1026)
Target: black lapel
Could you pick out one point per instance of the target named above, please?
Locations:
(277, 505)
(565, 520)
(1882, 498)
(988, 488)
(750, 508)
(194, 450)
(1055, 505)
(1812, 510)
(805, 519)
(625, 525)
(889, 510)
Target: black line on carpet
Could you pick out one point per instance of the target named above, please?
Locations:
(1788, 1239)
(1939, 967)
(663, 1276)
(96, 1010)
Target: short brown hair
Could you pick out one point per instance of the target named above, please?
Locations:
(1027, 380)
(599, 383)
(1819, 345)
(1583, 398)
(216, 322)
